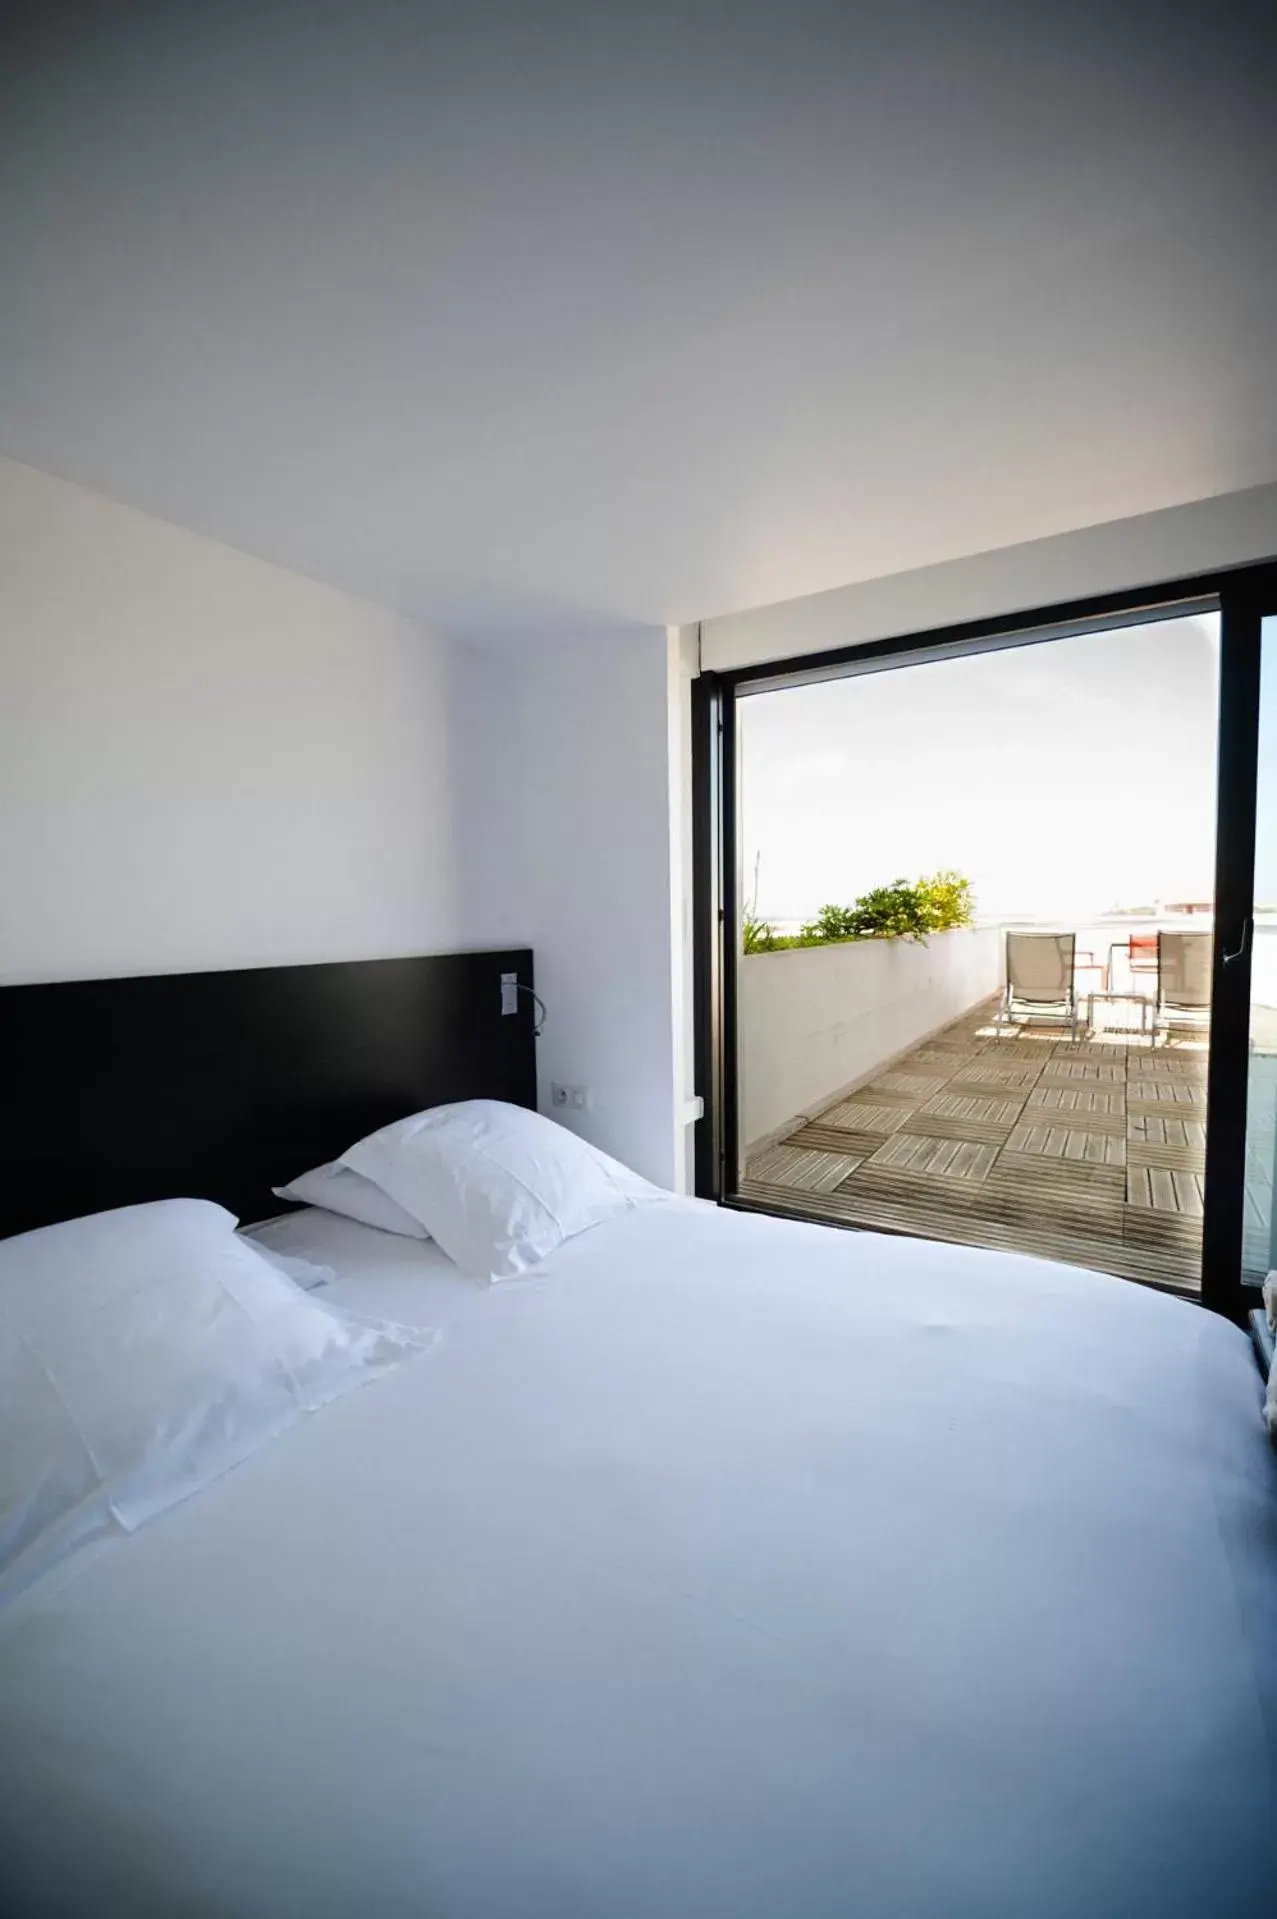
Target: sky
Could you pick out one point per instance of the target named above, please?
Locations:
(1063, 778)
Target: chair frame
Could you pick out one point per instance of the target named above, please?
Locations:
(1168, 1013)
(1064, 1012)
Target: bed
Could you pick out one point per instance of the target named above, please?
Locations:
(718, 1565)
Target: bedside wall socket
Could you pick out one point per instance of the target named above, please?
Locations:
(576, 1099)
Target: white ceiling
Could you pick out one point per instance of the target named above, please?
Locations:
(521, 316)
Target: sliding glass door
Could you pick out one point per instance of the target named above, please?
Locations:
(929, 821)
(976, 924)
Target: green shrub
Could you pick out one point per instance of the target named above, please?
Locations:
(898, 911)
(759, 935)
(904, 910)
(833, 923)
(907, 909)
(947, 900)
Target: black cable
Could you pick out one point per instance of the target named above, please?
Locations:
(538, 1026)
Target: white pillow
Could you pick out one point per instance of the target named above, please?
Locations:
(497, 1186)
(337, 1189)
(143, 1352)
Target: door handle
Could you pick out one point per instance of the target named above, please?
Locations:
(1242, 944)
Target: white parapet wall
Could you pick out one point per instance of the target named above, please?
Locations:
(815, 1019)
(1263, 968)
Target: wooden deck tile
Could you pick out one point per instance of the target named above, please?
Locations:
(1178, 1144)
(1110, 1052)
(1177, 1234)
(789, 1199)
(888, 1195)
(1101, 1109)
(1171, 1268)
(812, 1172)
(1067, 1142)
(834, 1139)
(974, 1106)
(1067, 1194)
(913, 1086)
(987, 1076)
(1096, 1072)
(1177, 1159)
(865, 1116)
(1164, 1129)
(1086, 1151)
(1165, 1091)
(943, 1126)
(939, 1158)
(1165, 1191)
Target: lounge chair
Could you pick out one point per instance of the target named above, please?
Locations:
(1039, 982)
(1183, 981)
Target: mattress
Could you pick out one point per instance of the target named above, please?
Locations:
(722, 1566)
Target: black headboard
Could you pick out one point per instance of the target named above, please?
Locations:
(222, 1085)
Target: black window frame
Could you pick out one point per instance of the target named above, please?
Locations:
(1244, 596)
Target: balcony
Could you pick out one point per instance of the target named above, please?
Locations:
(906, 1111)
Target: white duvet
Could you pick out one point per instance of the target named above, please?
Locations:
(724, 1568)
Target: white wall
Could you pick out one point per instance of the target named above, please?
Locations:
(816, 1019)
(206, 761)
(600, 887)
(1230, 530)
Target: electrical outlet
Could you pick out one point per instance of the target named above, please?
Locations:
(577, 1099)
(509, 993)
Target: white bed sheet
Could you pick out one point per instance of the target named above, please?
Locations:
(383, 1275)
(725, 1567)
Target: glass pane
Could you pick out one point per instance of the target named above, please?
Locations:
(975, 946)
(1258, 1257)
